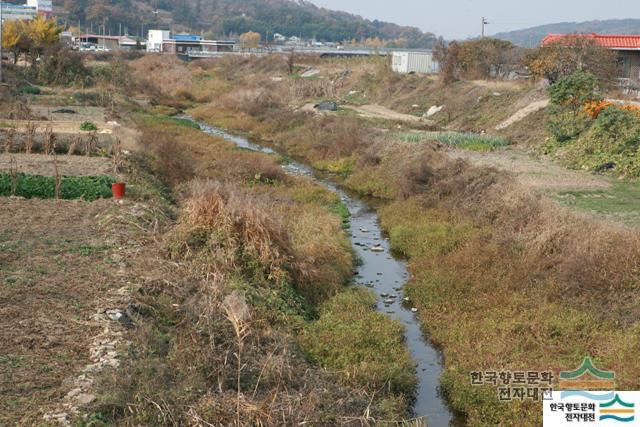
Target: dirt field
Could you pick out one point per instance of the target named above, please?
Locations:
(537, 174)
(380, 112)
(375, 112)
(61, 267)
(40, 164)
(58, 126)
(82, 113)
(616, 201)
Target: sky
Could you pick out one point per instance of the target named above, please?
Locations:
(460, 19)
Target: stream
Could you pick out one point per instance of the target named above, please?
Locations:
(385, 275)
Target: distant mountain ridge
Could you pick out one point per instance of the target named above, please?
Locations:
(233, 17)
(531, 37)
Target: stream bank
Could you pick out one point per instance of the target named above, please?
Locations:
(385, 275)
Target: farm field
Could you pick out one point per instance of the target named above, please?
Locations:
(63, 265)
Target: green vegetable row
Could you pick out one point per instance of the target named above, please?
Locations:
(30, 186)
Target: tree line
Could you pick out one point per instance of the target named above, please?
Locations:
(488, 58)
(235, 17)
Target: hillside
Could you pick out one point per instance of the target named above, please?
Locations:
(531, 37)
(232, 17)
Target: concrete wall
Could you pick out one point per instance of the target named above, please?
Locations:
(631, 65)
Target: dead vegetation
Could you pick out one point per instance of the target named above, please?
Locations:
(496, 267)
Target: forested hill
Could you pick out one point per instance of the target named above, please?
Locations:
(232, 17)
(532, 37)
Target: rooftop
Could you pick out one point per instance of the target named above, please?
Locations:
(610, 41)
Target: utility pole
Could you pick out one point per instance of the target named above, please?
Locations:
(1, 24)
(484, 22)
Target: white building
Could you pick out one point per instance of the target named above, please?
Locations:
(156, 40)
(44, 7)
(15, 12)
(414, 62)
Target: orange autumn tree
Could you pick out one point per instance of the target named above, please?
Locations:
(250, 40)
(15, 38)
(43, 33)
(30, 38)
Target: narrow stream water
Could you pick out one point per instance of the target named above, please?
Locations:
(386, 276)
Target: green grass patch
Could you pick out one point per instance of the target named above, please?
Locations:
(29, 186)
(465, 141)
(415, 231)
(364, 346)
(159, 120)
(30, 90)
(88, 126)
(369, 181)
(358, 98)
(620, 202)
(342, 167)
(324, 198)
(88, 250)
(12, 361)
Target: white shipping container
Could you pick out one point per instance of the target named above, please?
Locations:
(414, 62)
(156, 39)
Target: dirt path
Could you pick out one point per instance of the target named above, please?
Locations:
(537, 174)
(523, 113)
(374, 111)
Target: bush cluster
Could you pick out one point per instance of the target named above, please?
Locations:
(589, 133)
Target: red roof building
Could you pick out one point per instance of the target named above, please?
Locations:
(626, 45)
(610, 41)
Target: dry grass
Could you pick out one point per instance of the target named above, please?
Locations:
(236, 224)
(166, 74)
(481, 289)
(505, 279)
(212, 341)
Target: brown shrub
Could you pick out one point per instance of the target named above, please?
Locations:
(252, 101)
(172, 161)
(301, 90)
(234, 67)
(331, 137)
(245, 166)
(165, 73)
(322, 256)
(228, 224)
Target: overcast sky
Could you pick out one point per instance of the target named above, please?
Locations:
(461, 18)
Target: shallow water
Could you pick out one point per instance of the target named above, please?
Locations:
(385, 275)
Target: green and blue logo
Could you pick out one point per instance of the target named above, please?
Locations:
(617, 410)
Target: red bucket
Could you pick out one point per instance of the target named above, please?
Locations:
(118, 189)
